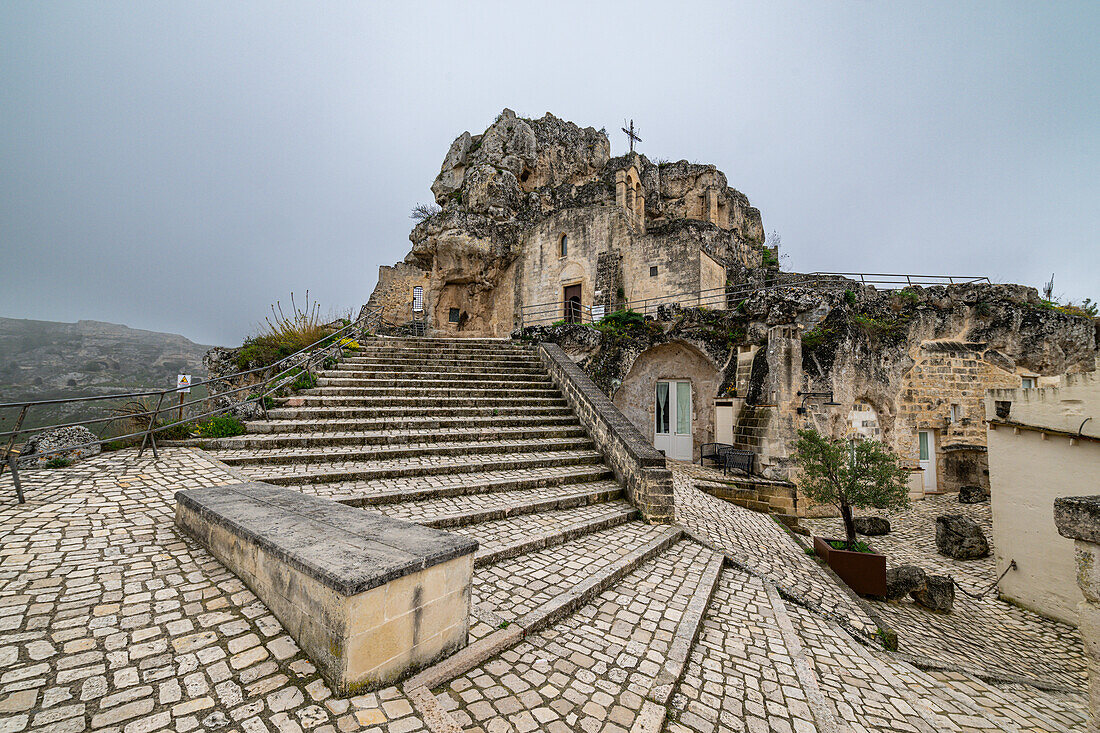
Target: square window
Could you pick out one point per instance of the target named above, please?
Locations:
(653, 271)
(1027, 383)
(452, 316)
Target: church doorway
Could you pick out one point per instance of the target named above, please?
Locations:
(572, 299)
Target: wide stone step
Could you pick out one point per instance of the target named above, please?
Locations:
(483, 373)
(459, 511)
(505, 538)
(343, 453)
(526, 391)
(455, 340)
(377, 492)
(304, 438)
(422, 466)
(309, 400)
(418, 380)
(426, 425)
(420, 411)
(594, 664)
(439, 362)
(449, 346)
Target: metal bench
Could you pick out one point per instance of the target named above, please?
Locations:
(726, 456)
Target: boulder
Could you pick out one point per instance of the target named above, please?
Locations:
(872, 526)
(37, 452)
(960, 537)
(904, 579)
(972, 495)
(938, 593)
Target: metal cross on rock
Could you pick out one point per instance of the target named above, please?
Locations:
(631, 135)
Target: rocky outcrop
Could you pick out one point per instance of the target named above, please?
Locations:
(960, 537)
(59, 445)
(871, 526)
(903, 580)
(938, 593)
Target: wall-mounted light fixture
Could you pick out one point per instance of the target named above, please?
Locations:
(806, 396)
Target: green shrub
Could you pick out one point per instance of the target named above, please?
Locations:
(304, 380)
(625, 323)
(221, 426)
(283, 336)
(58, 462)
(850, 297)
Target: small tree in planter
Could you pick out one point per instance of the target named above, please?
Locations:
(850, 475)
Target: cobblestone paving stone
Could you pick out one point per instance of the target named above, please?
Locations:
(740, 675)
(513, 587)
(414, 463)
(591, 671)
(365, 489)
(756, 539)
(333, 452)
(989, 633)
(859, 695)
(419, 510)
(111, 620)
(504, 532)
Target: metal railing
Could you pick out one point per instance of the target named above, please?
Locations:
(272, 377)
(724, 298)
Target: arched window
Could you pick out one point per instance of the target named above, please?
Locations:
(418, 299)
(564, 245)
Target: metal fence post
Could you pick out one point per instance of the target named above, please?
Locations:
(15, 477)
(149, 437)
(11, 444)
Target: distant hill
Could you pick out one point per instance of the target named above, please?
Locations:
(47, 360)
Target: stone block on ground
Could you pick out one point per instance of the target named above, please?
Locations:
(938, 593)
(972, 495)
(871, 526)
(960, 537)
(368, 597)
(903, 580)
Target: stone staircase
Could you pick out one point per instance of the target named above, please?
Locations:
(584, 616)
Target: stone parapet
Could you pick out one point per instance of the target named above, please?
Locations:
(1078, 517)
(639, 466)
(369, 598)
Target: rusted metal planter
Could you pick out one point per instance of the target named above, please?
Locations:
(864, 572)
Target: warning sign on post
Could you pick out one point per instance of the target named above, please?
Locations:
(183, 382)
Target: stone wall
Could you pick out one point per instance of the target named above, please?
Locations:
(1042, 445)
(394, 292)
(637, 465)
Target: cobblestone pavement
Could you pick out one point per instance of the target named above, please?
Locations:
(110, 620)
(740, 675)
(762, 544)
(504, 532)
(988, 633)
(512, 588)
(591, 671)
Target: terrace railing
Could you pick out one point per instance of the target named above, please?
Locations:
(267, 379)
(723, 298)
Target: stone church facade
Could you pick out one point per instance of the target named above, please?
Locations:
(537, 223)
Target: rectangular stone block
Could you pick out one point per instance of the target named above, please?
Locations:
(369, 598)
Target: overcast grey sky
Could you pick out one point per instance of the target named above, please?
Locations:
(179, 166)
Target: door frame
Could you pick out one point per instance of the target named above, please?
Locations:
(674, 444)
(930, 477)
(565, 309)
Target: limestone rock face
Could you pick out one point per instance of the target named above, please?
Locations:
(972, 495)
(960, 537)
(903, 580)
(872, 526)
(534, 154)
(938, 593)
(37, 451)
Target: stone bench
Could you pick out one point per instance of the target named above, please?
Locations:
(370, 599)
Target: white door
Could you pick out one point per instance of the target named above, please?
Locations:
(672, 420)
(927, 441)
